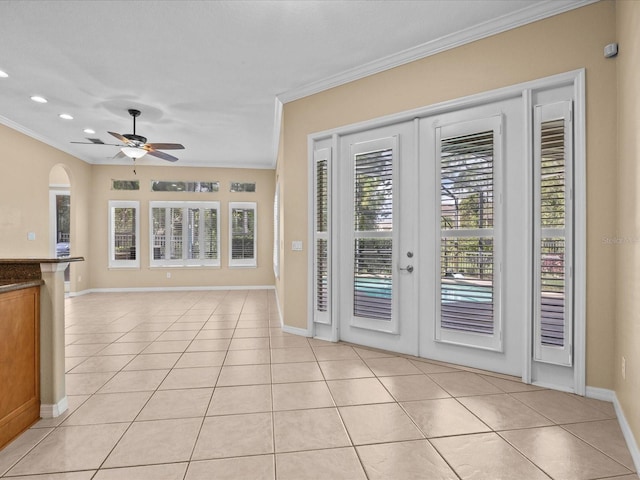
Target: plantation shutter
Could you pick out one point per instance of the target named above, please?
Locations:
(468, 310)
(373, 235)
(321, 289)
(553, 288)
(242, 229)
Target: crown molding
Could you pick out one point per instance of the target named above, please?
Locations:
(537, 11)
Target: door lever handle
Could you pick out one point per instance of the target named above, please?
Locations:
(409, 268)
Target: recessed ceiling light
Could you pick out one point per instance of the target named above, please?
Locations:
(3, 74)
(90, 131)
(65, 116)
(38, 99)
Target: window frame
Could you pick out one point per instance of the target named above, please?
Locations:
(243, 262)
(113, 262)
(184, 262)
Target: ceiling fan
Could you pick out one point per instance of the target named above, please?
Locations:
(135, 146)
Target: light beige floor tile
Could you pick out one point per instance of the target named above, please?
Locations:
(234, 436)
(174, 346)
(19, 447)
(560, 407)
(405, 388)
(135, 381)
(250, 332)
(85, 475)
(605, 407)
(155, 442)
(607, 437)
(83, 350)
(296, 372)
(177, 335)
(218, 345)
(297, 396)
(214, 334)
(106, 363)
(297, 430)
(335, 352)
(240, 399)
(104, 338)
(259, 467)
(233, 375)
(391, 366)
(256, 343)
(463, 384)
(334, 464)
(133, 337)
(404, 460)
(187, 325)
(384, 422)
(562, 455)
(486, 456)
(152, 327)
(124, 348)
(370, 353)
(286, 340)
(74, 401)
(109, 408)
(171, 471)
(510, 386)
(71, 448)
(358, 391)
(201, 359)
(71, 362)
(248, 357)
(342, 369)
(86, 383)
(153, 361)
(220, 325)
(181, 378)
(244, 322)
(443, 417)
(503, 412)
(168, 404)
(429, 367)
(292, 355)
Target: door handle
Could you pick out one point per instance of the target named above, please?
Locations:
(409, 268)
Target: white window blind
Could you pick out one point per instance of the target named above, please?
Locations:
(373, 235)
(124, 234)
(184, 233)
(469, 286)
(553, 234)
(242, 234)
(321, 247)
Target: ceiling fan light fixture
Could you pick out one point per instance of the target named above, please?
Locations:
(133, 152)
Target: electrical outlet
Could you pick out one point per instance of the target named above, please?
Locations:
(624, 368)
(168, 274)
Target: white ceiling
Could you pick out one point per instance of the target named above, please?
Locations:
(212, 74)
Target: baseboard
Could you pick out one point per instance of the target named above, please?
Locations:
(303, 332)
(54, 410)
(78, 293)
(610, 396)
(177, 289)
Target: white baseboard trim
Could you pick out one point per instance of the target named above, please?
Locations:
(303, 332)
(54, 410)
(78, 293)
(610, 396)
(175, 289)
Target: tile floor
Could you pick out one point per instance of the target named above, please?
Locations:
(205, 385)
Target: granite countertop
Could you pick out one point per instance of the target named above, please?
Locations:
(40, 260)
(12, 286)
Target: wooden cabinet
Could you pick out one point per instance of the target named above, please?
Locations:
(19, 361)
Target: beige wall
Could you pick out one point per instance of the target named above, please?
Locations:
(628, 231)
(145, 276)
(25, 165)
(559, 44)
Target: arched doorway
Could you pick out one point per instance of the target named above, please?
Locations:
(60, 217)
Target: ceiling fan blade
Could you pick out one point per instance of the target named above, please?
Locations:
(123, 139)
(165, 146)
(162, 155)
(96, 143)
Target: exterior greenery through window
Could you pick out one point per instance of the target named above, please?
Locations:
(242, 230)
(124, 229)
(184, 233)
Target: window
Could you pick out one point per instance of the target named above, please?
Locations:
(242, 187)
(242, 234)
(321, 274)
(124, 234)
(125, 185)
(180, 186)
(553, 242)
(184, 233)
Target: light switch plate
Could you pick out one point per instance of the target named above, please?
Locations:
(296, 245)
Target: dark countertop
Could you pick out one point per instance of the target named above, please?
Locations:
(10, 287)
(41, 260)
